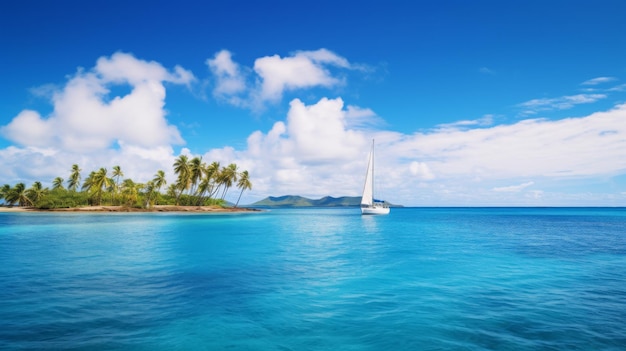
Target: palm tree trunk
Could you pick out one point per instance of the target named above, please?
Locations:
(214, 192)
(239, 198)
(156, 196)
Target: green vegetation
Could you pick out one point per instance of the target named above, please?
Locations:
(197, 184)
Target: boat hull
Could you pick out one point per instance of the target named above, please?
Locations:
(376, 210)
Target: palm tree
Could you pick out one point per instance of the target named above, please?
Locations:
(211, 175)
(195, 173)
(4, 191)
(243, 184)
(96, 183)
(74, 182)
(158, 182)
(181, 168)
(9, 195)
(203, 188)
(57, 183)
(149, 190)
(220, 180)
(130, 191)
(18, 195)
(88, 181)
(111, 189)
(172, 190)
(228, 177)
(117, 174)
(36, 192)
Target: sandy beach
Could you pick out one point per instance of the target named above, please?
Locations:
(16, 209)
(158, 208)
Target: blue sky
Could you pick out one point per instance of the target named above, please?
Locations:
(481, 103)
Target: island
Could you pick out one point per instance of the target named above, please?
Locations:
(199, 187)
(299, 201)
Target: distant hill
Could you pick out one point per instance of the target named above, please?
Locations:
(299, 201)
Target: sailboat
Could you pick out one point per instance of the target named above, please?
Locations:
(369, 205)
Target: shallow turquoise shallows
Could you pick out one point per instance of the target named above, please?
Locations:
(315, 279)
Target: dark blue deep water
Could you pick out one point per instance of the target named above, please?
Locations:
(315, 279)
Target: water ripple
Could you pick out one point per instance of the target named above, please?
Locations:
(424, 279)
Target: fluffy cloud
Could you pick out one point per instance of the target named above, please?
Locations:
(314, 150)
(230, 80)
(421, 170)
(274, 75)
(124, 68)
(303, 70)
(89, 124)
(86, 118)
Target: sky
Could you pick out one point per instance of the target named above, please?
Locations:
(470, 103)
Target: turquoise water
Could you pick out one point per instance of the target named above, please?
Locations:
(315, 279)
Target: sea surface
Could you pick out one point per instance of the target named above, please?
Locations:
(315, 279)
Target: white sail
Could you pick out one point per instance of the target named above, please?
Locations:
(368, 189)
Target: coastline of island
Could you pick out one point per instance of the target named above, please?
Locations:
(152, 209)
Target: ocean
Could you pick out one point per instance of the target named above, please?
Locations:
(315, 279)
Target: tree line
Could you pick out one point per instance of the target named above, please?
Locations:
(197, 184)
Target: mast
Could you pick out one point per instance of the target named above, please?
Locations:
(373, 168)
(368, 188)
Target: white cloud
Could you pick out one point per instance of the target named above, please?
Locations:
(45, 164)
(562, 103)
(123, 68)
(272, 76)
(598, 80)
(86, 118)
(91, 127)
(324, 56)
(305, 69)
(28, 128)
(486, 120)
(362, 118)
(318, 132)
(313, 152)
(592, 145)
(486, 70)
(421, 170)
(230, 80)
(513, 188)
(621, 87)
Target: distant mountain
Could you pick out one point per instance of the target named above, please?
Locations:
(299, 201)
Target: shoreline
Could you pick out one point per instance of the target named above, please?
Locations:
(157, 208)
